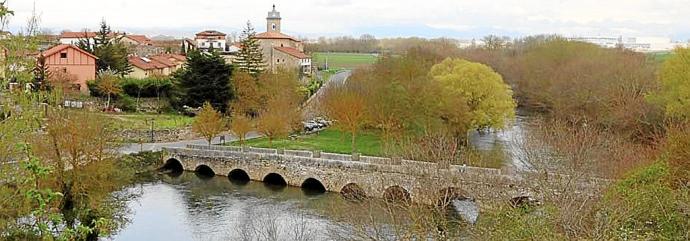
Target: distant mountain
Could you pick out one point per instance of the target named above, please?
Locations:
(163, 38)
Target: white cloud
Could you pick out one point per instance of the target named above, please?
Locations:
(317, 17)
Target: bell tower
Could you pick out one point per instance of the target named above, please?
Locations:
(273, 21)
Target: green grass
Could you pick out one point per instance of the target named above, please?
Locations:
(333, 141)
(660, 57)
(343, 60)
(143, 121)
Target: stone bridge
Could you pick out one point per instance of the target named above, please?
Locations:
(351, 175)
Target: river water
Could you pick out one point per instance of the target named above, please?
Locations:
(190, 207)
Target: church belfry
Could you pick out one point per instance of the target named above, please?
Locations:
(273, 21)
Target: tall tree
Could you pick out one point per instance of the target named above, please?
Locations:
(675, 85)
(41, 73)
(240, 126)
(347, 107)
(208, 123)
(109, 84)
(250, 58)
(206, 77)
(111, 52)
(476, 89)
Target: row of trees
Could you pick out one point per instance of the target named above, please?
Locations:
(595, 112)
(418, 95)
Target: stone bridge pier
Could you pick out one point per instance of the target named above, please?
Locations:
(354, 176)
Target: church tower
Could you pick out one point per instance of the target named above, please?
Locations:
(273, 21)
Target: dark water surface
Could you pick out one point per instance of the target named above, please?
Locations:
(189, 207)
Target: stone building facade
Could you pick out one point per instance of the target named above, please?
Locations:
(281, 50)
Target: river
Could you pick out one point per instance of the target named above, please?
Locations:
(190, 207)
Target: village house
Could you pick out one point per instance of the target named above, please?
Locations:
(210, 39)
(79, 64)
(73, 38)
(281, 50)
(132, 39)
(155, 65)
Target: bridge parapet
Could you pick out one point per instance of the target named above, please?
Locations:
(374, 175)
(386, 161)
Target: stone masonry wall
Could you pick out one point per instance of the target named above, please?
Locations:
(374, 175)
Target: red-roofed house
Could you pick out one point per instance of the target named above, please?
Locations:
(210, 39)
(136, 39)
(155, 65)
(281, 50)
(70, 59)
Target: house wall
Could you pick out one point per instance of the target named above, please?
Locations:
(138, 73)
(82, 66)
(74, 41)
(284, 60)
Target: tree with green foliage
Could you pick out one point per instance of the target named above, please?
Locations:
(477, 89)
(111, 52)
(205, 78)
(250, 58)
(5, 14)
(208, 123)
(675, 85)
(41, 73)
(109, 84)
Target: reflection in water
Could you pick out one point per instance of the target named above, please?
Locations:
(188, 207)
(192, 208)
(506, 142)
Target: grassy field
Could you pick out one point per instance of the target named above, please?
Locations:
(143, 121)
(343, 60)
(332, 141)
(660, 57)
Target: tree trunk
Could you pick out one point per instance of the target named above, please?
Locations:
(354, 138)
(107, 105)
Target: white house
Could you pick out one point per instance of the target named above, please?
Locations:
(210, 39)
(73, 38)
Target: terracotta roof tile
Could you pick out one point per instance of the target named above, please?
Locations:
(160, 61)
(293, 52)
(58, 48)
(141, 39)
(274, 35)
(78, 34)
(210, 33)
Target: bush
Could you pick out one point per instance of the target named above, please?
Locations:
(146, 88)
(645, 206)
(125, 103)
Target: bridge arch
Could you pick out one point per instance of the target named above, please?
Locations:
(173, 165)
(397, 194)
(313, 186)
(239, 176)
(447, 195)
(275, 179)
(353, 191)
(204, 171)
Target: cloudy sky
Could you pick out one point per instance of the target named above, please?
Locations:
(383, 18)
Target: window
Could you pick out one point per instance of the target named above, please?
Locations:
(281, 45)
(63, 55)
(273, 26)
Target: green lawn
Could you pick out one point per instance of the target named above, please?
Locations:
(143, 121)
(343, 60)
(333, 141)
(660, 57)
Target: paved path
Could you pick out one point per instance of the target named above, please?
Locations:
(136, 147)
(310, 107)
